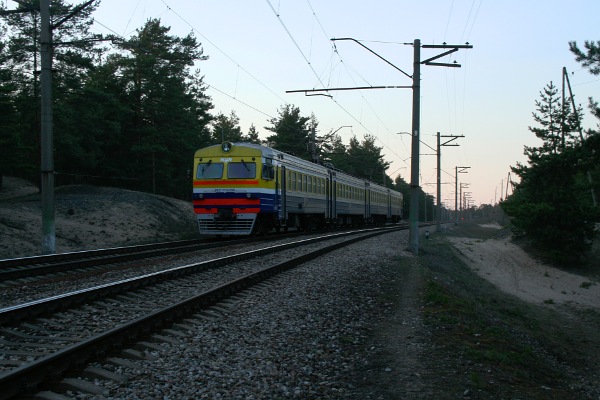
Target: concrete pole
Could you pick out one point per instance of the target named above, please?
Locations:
(456, 195)
(461, 202)
(439, 185)
(47, 139)
(413, 232)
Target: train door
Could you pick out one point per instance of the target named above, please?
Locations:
(333, 196)
(327, 200)
(282, 196)
(367, 202)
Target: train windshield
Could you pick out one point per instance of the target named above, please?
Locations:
(241, 170)
(209, 170)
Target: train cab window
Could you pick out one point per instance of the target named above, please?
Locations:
(209, 170)
(268, 171)
(241, 170)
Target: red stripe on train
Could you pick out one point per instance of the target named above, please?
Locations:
(236, 210)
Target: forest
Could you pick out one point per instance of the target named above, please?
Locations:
(130, 113)
(555, 203)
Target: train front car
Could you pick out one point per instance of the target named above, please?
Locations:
(235, 189)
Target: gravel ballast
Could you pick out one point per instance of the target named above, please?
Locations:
(301, 336)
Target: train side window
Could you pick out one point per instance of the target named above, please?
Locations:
(309, 184)
(293, 181)
(304, 183)
(209, 170)
(268, 172)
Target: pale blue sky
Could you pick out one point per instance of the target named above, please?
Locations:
(259, 49)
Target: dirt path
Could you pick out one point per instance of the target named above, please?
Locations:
(509, 268)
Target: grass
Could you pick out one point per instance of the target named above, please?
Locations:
(510, 348)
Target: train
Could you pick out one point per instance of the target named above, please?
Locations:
(246, 189)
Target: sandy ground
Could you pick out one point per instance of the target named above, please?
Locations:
(88, 217)
(91, 218)
(509, 268)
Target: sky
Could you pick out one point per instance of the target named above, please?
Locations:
(260, 49)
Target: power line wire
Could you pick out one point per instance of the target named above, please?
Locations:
(319, 78)
(223, 52)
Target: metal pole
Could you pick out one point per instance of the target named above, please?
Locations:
(413, 232)
(47, 162)
(439, 185)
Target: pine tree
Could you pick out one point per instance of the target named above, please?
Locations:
(73, 57)
(548, 205)
(252, 136)
(291, 132)
(556, 124)
(168, 107)
(226, 129)
(366, 161)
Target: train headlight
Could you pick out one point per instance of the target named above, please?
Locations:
(248, 196)
(226, 147)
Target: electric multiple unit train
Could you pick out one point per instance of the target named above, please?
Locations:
(244, 188)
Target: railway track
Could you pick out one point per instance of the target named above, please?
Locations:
(29, 269)
(44, 338)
